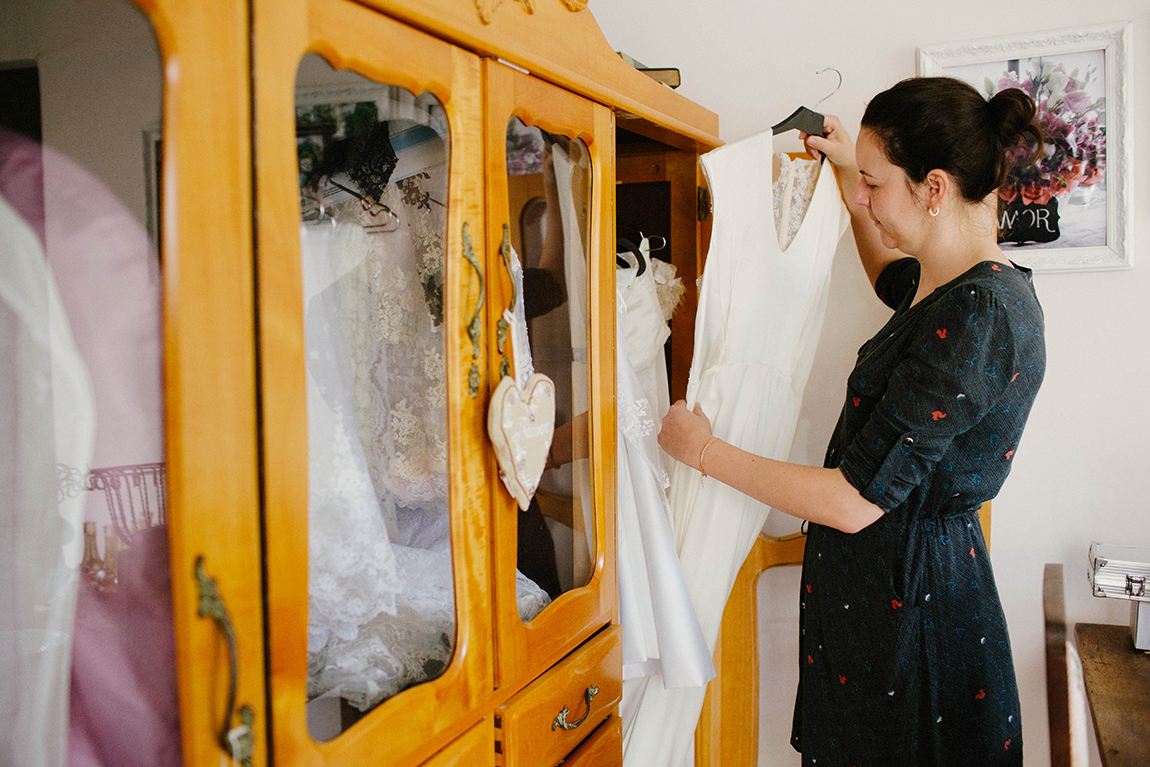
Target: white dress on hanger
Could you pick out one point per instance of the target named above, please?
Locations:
(381, 602)
(760, 313)
(647, 330)
(661, 635)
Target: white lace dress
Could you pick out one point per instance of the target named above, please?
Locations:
(381, 608)
(761, 306)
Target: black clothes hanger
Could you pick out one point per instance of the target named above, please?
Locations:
(807, 120)
(623, 245)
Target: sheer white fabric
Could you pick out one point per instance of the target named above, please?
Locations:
(575, 266)
(381, 612)
(758, 322)
(792, 192)
(352, 569)
(48, 420)
(647, 329)
(661, 634)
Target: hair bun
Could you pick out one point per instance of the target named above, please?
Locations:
(924, 123)
(1012, 122)
(1011, 113)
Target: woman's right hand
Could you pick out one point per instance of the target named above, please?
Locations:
(836, 144)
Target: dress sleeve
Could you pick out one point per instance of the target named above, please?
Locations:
(896, 280)
(955, 369)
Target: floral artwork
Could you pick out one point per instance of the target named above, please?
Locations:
(1071, 210)
(1073, 123)
(525, 149)
(1054, 202)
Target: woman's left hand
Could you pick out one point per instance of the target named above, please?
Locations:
(684, 433)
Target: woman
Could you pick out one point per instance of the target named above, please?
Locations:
(904, 652)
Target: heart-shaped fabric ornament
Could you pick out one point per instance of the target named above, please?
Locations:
(520, 423)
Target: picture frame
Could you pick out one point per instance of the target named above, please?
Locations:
(1072, 210)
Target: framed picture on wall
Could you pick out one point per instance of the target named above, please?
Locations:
(1071, 210)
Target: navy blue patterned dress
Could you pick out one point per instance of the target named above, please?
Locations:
(904, 653)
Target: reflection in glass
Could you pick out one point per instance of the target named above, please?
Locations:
(373, 182)
(549, 189)
(87, 658)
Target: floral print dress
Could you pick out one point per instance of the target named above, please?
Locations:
(904, 652)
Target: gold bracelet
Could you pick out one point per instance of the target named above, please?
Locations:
(702, 453)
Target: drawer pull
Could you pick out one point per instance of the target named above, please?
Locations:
(475, 327)
(237, 742)
(561, 720)
(504, 327)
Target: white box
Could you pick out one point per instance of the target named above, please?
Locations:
(1123, 572)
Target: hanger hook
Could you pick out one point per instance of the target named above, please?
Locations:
(836, 90)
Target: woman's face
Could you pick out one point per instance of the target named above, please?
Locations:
(885, 191)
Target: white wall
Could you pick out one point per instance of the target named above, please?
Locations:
(100, 80)
(1077, 473)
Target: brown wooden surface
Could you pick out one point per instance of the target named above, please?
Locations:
(604, 748)
(678, 168)
(984, 520)
(728, 733)
(1118, 686)
(568, 49)
(525, 725)
(526, 650)
(209, 360)
(1057, 701)
(681, 172)
(417, 722)
(472, 749)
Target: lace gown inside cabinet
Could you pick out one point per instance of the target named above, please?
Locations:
(381, 597)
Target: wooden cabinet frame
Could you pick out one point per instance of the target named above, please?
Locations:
(417, 722)
(525, 650)
(209, 362)
(234, 371)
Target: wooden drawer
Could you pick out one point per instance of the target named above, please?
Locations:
(604, 748)
(528, 727)
(471, 749)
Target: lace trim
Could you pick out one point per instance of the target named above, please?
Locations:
(668, 287)
(799, 176)
(637, 423)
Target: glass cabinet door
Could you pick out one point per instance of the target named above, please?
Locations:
(127, 440)
(372, 371)
(549, 211)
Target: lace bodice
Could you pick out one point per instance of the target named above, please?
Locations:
(381, 595)
(392, 307)
(792, 191)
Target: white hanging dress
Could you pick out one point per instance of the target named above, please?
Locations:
(661, 635)
(760, 313)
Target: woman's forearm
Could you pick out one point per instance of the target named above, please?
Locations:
(822, 496)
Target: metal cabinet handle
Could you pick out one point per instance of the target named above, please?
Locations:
(237, 743)
(561, 720)
(475, 327)
(502, 327)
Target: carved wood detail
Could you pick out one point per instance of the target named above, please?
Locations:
(487, 8)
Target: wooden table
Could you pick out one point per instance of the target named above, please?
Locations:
(1118, 686)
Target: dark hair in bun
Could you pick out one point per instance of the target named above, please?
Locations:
(926, 123)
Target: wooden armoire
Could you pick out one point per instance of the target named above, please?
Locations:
(514, 693)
